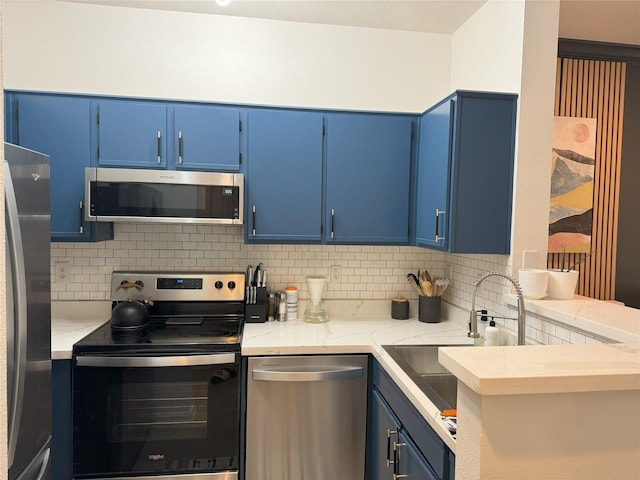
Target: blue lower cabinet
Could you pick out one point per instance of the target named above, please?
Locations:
(61, 442)
(383, 429)
(399, 440)
(409, 460)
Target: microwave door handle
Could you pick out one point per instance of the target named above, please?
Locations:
(151, 362)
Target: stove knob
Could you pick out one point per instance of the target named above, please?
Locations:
(219, 284)
(139, 283)
(231, 285)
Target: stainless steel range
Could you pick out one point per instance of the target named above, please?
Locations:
(160, 395)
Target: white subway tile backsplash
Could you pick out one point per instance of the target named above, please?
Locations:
(367, 272)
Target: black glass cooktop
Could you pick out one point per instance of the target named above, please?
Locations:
(169, 334)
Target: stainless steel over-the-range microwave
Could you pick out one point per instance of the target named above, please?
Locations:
(163, 196)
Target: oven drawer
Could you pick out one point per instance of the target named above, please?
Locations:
(153, 415)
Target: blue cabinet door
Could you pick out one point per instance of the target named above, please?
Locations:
(482, 173)
(61, 441)
(132, 134)
(432, 192)
(60, 127)
(382, 432)
(284, 176)
(206, 138)
(410, 462)
(368, 163)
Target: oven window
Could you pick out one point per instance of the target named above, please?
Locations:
(158, 420)
(162, 411)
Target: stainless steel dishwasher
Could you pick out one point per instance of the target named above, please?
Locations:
(306, 417)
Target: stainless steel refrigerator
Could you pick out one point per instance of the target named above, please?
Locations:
(28, 304)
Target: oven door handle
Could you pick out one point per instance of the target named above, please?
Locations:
(150, 362)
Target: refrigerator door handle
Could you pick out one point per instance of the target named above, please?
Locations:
(15, 261)
(45, 465)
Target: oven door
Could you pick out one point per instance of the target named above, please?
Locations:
(156, 415)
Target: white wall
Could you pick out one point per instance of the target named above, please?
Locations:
(511, 46)
(487, 49)
(67, 47)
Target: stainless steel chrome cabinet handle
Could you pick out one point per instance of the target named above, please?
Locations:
(253, 221)
(396, 461)
(159, 136)
(180, 147)
(306, 375)
(389, 433)
(81, 216)
(438, 213)
(150, 362)
(333, 221)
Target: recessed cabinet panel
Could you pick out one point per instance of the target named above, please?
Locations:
(60, 127)
(367, 176)
(284, 176)
(132, 134)
(433, 176)
(410, 462)
(206, 138)
(383, 430)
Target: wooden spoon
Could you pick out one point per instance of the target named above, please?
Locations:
(427, 288)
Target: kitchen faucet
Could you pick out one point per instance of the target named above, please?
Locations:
(473, 323)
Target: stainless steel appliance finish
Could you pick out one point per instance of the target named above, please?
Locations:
(306, 417)
(163, 196)
(27, 216)
(163, 399)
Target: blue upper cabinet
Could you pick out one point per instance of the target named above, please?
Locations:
(284, 176)
(206, 138)
(368, 165)
(464, 182)
(132, 134)
(60, 127)
(432, 193)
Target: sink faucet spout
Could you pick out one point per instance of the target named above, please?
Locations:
(473, 316)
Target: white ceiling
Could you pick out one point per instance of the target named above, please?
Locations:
(615, 21)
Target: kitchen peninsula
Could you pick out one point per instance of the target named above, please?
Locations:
(552, 411)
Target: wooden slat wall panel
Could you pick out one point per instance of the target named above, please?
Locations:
(595, 89)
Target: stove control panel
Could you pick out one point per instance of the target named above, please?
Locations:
(176, 286)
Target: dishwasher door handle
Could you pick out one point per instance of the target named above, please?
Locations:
(306, 374)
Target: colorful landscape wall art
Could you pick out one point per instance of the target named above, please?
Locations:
(572, 172)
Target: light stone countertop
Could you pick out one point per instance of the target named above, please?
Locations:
(73, 320)
(358, 327)
(609, 320)
(542, 369)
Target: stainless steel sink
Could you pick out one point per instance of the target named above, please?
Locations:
(420, 362)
